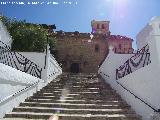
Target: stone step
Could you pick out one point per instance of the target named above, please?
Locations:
(79, 90)
(75, 105)
(83, 97)
(56, 92)
(76, 98)
(80, 83)
(72, 110)
(73, 116)
(75, 93)
(19, 119)
(71, 100)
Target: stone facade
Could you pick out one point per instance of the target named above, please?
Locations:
(120, 44)
(79, 52)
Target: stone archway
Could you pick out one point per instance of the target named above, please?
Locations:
(74, 68)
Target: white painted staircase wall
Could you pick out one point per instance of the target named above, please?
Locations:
(143, 82)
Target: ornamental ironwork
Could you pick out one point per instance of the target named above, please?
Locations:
(137, 61)
(18, 61)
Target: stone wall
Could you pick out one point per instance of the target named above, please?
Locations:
(87, 53)
(121, 44)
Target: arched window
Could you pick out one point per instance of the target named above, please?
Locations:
(96, 48)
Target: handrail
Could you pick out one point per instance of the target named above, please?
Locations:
(2, 45)
(155, 110)
(19, 92)
(140, 59)
(56, 63)
(52, 56)
(105, 74)
(18, 61)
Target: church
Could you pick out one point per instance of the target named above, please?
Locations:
(84, 52)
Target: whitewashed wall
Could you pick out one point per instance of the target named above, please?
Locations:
(16, 86)
(143, 82)
(152, 28)
(4, 35)
(52, 68)
(12, 81)
(14, 76)
(37, 57)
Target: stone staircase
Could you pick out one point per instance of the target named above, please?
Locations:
(74, 97)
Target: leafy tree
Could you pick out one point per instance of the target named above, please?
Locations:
(27, 37)
(52, 43)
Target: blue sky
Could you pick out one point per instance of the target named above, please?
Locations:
(127, 17)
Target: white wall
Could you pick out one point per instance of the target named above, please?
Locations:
(9, 75)
(51, 70)
(112, 62)
(4, 35)
(143, 82)
(9, 103)
(152, 28)
(12, 81)
(15, 85)
(142, 37)
(53, 67)
(37, 57)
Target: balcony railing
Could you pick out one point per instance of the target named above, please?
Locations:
(137, 61)
(18, 61)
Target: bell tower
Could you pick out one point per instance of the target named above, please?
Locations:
(100, 27)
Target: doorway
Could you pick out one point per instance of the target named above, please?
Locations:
(74, 68)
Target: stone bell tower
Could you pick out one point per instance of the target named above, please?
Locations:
(100, 27)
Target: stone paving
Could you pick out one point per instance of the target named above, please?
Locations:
(74, 97)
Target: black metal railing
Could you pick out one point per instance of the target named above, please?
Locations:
(132, 93)
(137, 61)
(104, 74)
(18, 61)
(19, 92)
(146, 103)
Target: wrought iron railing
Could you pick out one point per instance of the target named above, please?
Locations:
(18, 61)
(140, 59)
(19, 92)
